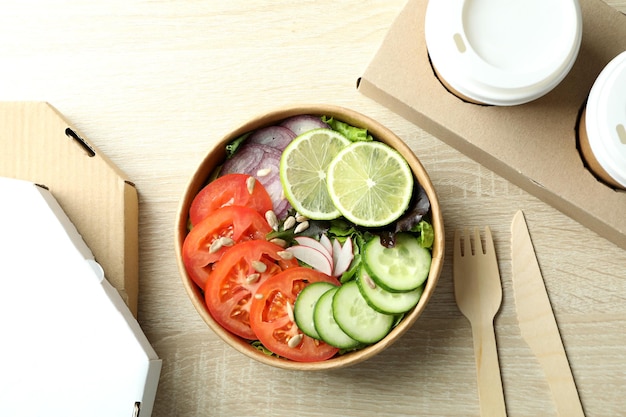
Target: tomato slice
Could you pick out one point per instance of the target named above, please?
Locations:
(271, 316)
(234, 222)
(229, 190)
(234, 280)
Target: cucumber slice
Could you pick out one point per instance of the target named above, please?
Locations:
(384, 301)
(325, 323)
(305, 305)
(356, 318)
(404, 267)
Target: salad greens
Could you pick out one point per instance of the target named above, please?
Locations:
(416, 221)
(353, 133)
(233, 146)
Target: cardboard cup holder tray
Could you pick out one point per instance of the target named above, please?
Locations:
(534, 145)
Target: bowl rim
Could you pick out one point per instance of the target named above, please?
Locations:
(215, 156)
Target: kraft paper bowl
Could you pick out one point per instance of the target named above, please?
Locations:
(216, 156)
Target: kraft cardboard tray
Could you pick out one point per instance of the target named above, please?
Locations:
(532, 145)
(38, 144)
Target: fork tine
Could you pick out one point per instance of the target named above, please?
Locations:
(468, 242)
(489, 247)
(464, 242)
(478, 246)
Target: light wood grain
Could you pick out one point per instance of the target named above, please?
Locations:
(154, 84)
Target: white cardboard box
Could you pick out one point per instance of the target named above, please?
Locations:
(70, 345)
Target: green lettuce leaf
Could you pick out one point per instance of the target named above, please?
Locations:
(353, 133)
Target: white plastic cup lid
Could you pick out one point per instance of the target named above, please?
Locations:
(503, 52)
(605, 119)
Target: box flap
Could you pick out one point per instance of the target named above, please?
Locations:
(70, 345)
(38, 144)
(532, 145)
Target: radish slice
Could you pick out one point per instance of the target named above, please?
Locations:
(275, 136)
(336, 251)
(325, 241)
(312, 257)
(344, 259)
(303, 123)
(312, 243)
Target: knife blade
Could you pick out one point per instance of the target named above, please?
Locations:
(537, 322)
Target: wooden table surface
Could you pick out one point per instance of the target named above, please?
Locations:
(154, 84)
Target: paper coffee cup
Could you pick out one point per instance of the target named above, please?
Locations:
(502, 52)
(602, 130)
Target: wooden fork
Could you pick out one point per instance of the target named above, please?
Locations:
(478, 293)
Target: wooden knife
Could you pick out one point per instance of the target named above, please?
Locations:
(537, 323)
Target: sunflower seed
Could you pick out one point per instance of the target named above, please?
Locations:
(278, 241)
(301, 227)
(259, 266)
(272, 220)
(300, 218)
(289, 223)
(289, 309)
(285, 254)
(215, 246)
(250, 183)
(227, 241)
(252, 278)
(295, 341)
(264, 172)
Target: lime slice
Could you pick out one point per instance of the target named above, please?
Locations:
(370, 183)
(303, 167)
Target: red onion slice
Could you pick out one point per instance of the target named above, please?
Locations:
(275, 136)
(303, 123)
(261, 162)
